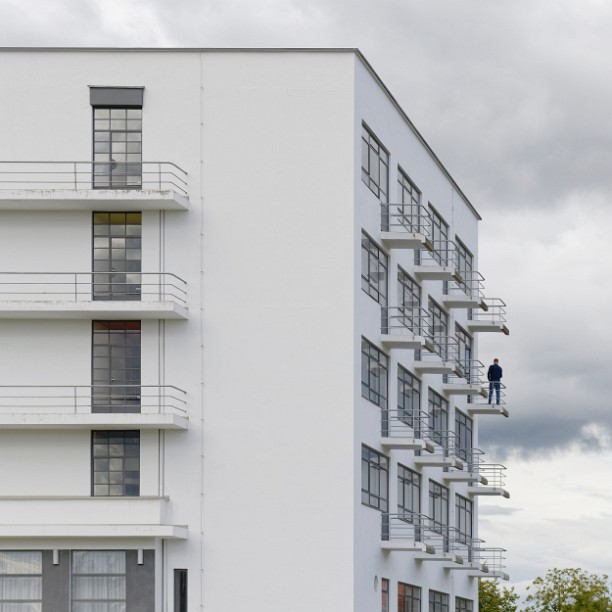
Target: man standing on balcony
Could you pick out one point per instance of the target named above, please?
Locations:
(494, 375)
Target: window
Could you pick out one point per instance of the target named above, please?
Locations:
(463, 605)
(439, 236)
(180, 590)
(409, 296)
(384, 591)
(98, 581)
(407, 213)
(438, 505)
(465, 266)
(115, 463)
(408, 193)
(117, 148)
(374, 479)
(408, 397)
(438, 320)
(21, 581)
(409, 492)
(438, 417)
(374, 374)
(408, 598)
(117, 255)
(464, 427)
(464, 511)
(438, 602)
(374, 266)
(116, 366)
(374, 165)
(464, 347)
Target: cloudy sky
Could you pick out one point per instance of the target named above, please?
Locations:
(515, 98)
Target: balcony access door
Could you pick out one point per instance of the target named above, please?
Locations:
(116, 366)
(117, 256)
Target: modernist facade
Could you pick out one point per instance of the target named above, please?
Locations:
(239, 318)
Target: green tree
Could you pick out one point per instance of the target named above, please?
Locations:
(492, 599)
(569, 590)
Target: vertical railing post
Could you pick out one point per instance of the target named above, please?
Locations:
(74, 170)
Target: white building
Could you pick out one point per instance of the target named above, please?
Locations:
(239, 310)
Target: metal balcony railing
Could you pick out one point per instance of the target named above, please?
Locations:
(472, 285)
(405, 321)
(85, 399)
(447, 443)
(444, 254)
(494, 474)
(441, 347)
(494, 314)
(471, 373)
(85, 175)
(406, 218)
(403, 423)
(85, 286)
(492, 558)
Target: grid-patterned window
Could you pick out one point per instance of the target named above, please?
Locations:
(374, 374)
(463, 605)
(464, 427)
(117, 154)
(98, 581)
(407, 213)
(438, 320)
(437, 408)
(408, 397)
(115, 463)
(464, 512)
(438, 602)
(117, 255)
(374, 268)
(464, 348)
(408, 192)
(384, 592)
(408, 598)
(438, 504)
(409, 492)
(374, 479)
(374, 165)
(465, 259)
(21, 581)
(409, 292)
(439, 236)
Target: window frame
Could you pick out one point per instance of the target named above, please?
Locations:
(374, 158)
(374, 270)
(408, 597)
(438, 319)
(438, 601)
(463, 605)
(128, 489)
(27, 576)
(408, 403)
(75, 575)
(373, 358)
(409, 487)
(375, 491)
(439, 512)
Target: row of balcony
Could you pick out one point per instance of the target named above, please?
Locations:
(431, 540)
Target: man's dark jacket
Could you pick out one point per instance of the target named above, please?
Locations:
(495, 373)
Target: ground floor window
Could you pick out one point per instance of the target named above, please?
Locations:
(98, 581)
(20, 581)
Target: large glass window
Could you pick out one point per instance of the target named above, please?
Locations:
(438, 320)
(116, 367)
(408, 397)
(438, 602)
(374, 479)
(438, 417)
(408, 598)
(464, 512)
(374, 165)
(20, 581)
(409, 297)
(117, 255)
(464, 427)
(374, 374)
(374, 267)
(438, 504)
(465, 266)
(117, 154)
(409, 492)
(463, 605)
(384, 592)
(464, 347)
(115, 463)
(439, 236)
(98, 581)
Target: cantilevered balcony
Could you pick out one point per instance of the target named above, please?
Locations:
(467, 293)
(494, 477)
(468, 383)
(404, 532)
(403, 429)
(441, 263)
(93, 407)
(491, 561)
(480, 404)
(493, 319)
(87, 295)
(405, 328)
(88, 517)
(405, 226)
(472, 459)
(464, 547)
(441, 356)
(445, 450)
(85, 185)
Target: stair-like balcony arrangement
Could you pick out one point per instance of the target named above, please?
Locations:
(93, 407)
(472, 459)
(87, 295)
(405, 327)
(403, 429)
(467, 293)
(405, 226)
(468, 383)
(445, 453)
(491, 561)
(441, 356)
(88, 185)
(492, 483)
(88, 517)
(493, 319)
(480, 404)
(439, 263)
(465, 548)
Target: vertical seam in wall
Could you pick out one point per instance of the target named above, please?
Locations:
(201, 298)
